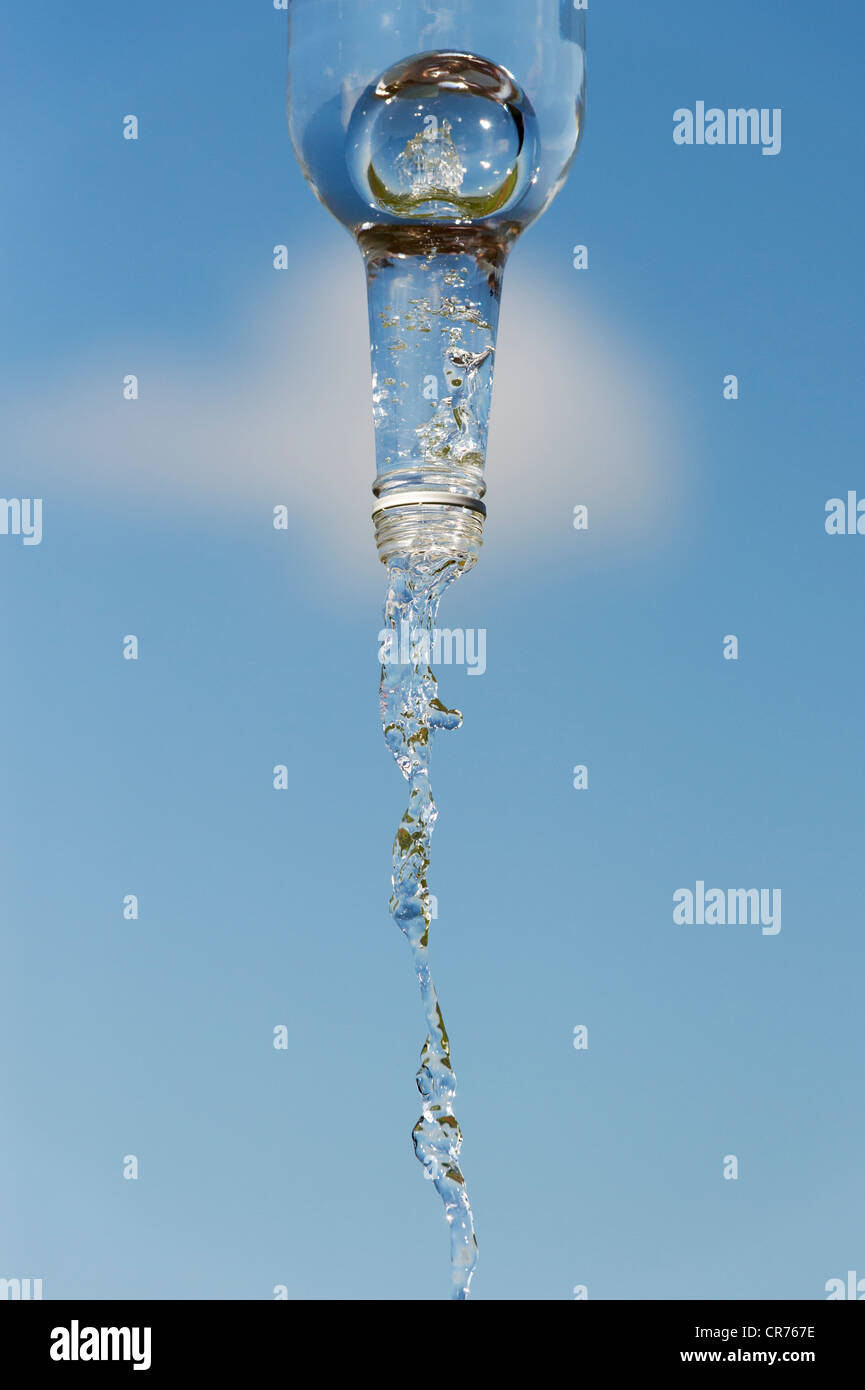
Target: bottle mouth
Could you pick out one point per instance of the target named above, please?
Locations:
(429, 523)
(428, 497)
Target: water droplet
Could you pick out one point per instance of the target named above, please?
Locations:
(443, 137)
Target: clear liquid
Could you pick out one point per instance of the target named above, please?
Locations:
(411, 714)
(433, 321)
(436, 167)
(443, 136)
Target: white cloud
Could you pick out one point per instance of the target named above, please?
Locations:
(281, 413)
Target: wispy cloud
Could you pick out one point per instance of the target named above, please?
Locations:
(281, 414)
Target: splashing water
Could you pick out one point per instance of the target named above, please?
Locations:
(411, 713)
(436, 171)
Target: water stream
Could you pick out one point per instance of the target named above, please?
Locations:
(411, 714)
(435, 166)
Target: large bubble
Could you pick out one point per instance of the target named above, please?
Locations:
(443, 137)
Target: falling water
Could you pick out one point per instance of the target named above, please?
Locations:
(440, 140)
(411, 714)
(436, 169)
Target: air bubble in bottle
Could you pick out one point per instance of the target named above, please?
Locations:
(443, 137)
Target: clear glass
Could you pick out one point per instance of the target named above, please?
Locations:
(436, 131)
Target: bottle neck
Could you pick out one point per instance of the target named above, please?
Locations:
(433, 297)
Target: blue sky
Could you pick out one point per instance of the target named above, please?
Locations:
(604, 648)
